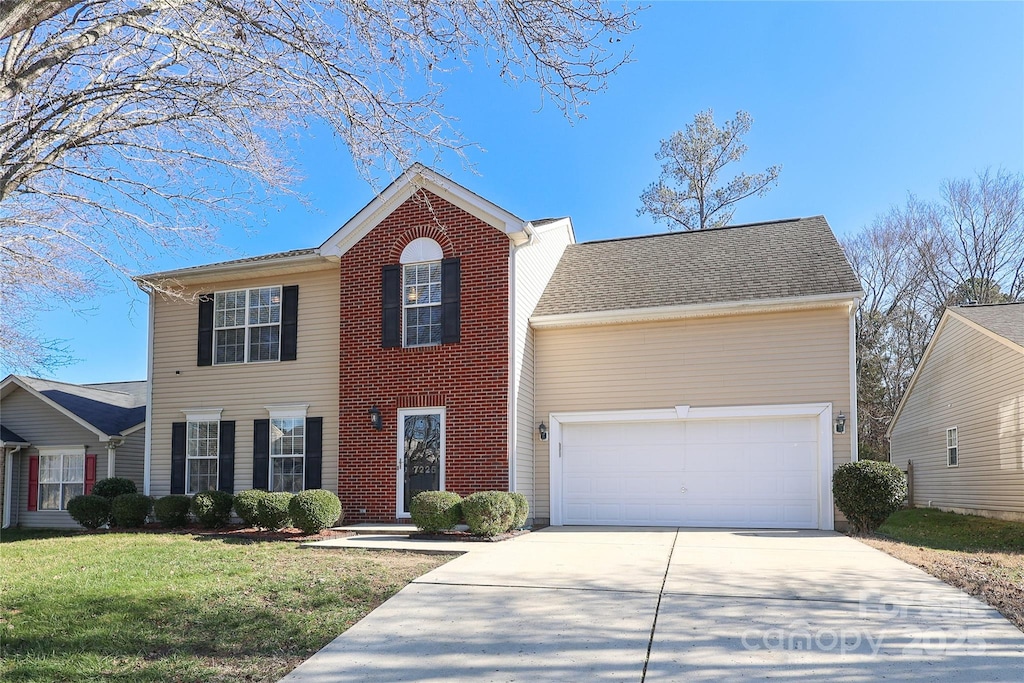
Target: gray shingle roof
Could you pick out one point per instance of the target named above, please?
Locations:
(7, 436)
(798, 257)
(1006, 320)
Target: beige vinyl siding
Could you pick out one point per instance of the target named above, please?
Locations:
(732, 360)
(976, 384)
(534, 265)
(129, 458)
(243, 391)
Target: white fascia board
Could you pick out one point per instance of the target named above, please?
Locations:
(405, 186)
(216, 272)
(654, 313)
(14, 379)
(560, 224)
(14, 444)
(132, 430)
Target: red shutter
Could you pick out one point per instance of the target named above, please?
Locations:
(33, 483)
(90, 472)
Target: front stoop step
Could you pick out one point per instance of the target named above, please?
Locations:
(367, 529)
(370, 529)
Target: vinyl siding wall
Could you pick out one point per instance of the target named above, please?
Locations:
(734, 360)
(534, 265)
(976, 384)
(42, 426)
(244, 390)
(129, 458)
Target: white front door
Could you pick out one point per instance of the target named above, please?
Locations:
(753, 473)
(420, 454)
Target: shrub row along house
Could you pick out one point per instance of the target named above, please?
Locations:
(58, 439)
(438, 341)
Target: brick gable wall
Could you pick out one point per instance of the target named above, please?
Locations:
(470, 379)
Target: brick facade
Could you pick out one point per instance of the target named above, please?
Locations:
(470, 379)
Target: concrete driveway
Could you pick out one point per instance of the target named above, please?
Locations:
(607, 604)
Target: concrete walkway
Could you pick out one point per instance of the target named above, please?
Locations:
(601, 604)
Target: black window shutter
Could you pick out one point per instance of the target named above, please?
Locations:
(260, 454)
(204, 350)
(289, 322)
(451, 301)
(178, 457)
(391, 310)
(314, 451)
(226, 457)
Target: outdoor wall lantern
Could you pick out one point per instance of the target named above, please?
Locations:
(543, 429)
(840, 423)
(375, 419)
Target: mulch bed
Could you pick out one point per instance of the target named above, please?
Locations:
(467, 537)
(234, 531)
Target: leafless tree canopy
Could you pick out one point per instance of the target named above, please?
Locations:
(687, 195)
(131, 126)
(966, 247)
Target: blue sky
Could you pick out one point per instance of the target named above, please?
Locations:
(861, 103)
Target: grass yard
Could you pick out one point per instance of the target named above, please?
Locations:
(176, 607)
(981, 556)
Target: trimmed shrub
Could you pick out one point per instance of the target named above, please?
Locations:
(172, 511)
(272, 510)
(212, 508)
(314, 510)
(522, 511)
(247, 505)
(867, 492)
(130, 510)
(434, 511)
(92, 512)
(112, 487)
(489, 513)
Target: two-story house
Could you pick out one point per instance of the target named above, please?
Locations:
(438, 341)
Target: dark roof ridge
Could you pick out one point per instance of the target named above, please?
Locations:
(697, 232)
(996, 303)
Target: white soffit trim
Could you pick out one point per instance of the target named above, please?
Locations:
(653, 313)
(287, 411)
(61, 450)
(405, 186)
(203, 414)
(218, 272)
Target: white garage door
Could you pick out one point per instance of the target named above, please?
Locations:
(754, 473)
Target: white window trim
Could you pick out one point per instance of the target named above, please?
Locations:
(406, 306)
(247, 326)
(201, 416)
(54, 451)
(290, 411)
(955, 431)
(400, 450)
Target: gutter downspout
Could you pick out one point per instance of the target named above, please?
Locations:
(8, 473)
(513, 360)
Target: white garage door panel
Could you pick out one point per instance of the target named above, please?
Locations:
(755, 473)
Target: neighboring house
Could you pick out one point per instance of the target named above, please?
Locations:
(58, 439)
(436, 339)
(961, 420)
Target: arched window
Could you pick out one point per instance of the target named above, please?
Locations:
(421, 292)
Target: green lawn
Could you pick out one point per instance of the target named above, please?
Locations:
(159, 607)
(950, 531)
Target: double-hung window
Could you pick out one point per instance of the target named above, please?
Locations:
(202, 450)
(61, 478)
(247, 325)
(287, 453)
(421, 302)
(952, 447)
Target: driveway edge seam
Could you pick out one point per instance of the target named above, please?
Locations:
(657, 606)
